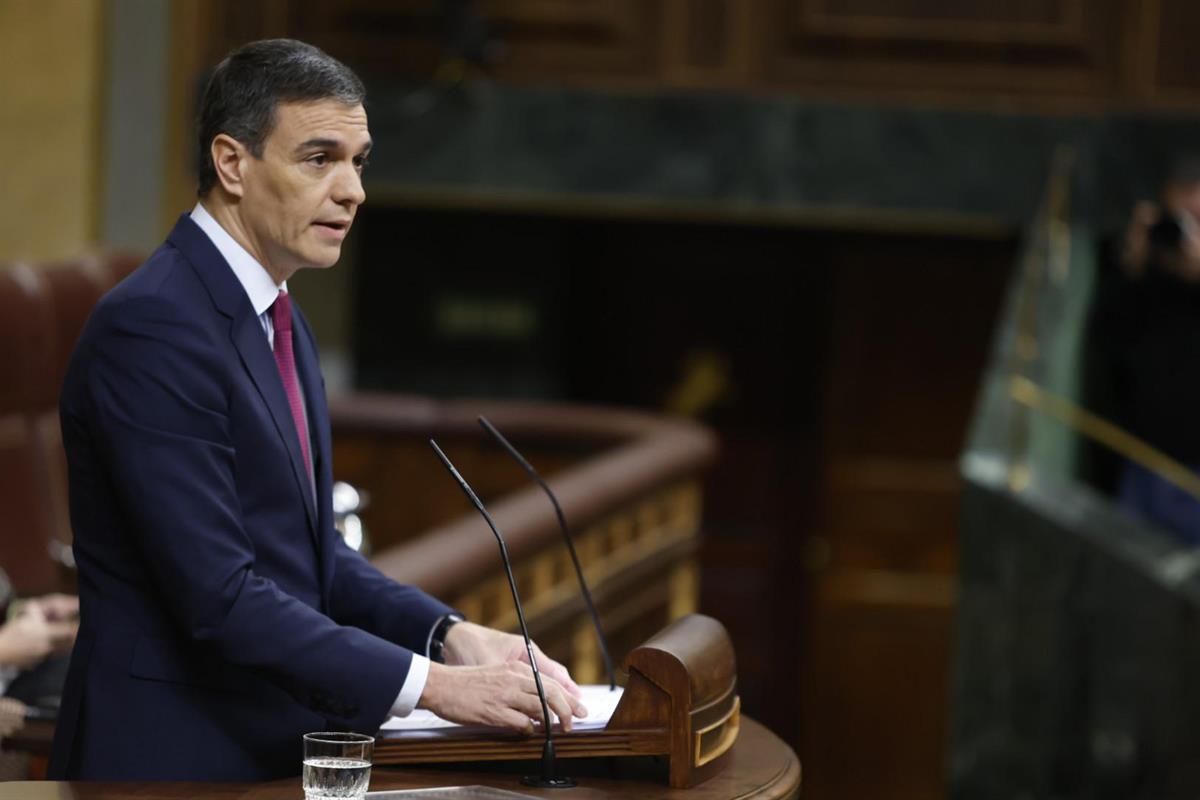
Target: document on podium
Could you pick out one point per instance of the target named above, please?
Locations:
(598, 699)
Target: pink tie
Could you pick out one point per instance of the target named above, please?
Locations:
(281, 319)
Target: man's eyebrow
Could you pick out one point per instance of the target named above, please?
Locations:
(324, 144)
(328, 144)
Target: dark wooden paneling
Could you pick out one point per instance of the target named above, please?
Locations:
(912, 324)
(894, 513)
(533, 39)
(228, 24)
(1004, 19)
(706, 24)
(1034, 51)
(875, 709)
(910, 327)
(707, 43)
(1028, 48)
(572, 38)
(1177, 71)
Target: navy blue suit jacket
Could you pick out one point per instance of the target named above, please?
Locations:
(222, 617)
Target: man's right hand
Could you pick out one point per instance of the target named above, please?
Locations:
(500, 695)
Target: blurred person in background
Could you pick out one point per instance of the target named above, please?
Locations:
(1162, 240)
(1146, 342)
(34, 641)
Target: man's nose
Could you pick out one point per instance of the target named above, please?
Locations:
(348, 190)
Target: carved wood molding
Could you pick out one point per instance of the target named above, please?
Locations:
(1060, 22)
(1057, 46)
(1106, 51)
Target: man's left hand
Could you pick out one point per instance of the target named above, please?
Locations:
(468, 644)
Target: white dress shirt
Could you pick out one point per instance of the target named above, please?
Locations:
(262, 291)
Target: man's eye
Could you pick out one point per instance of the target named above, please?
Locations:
(319, 160)
(361, 162)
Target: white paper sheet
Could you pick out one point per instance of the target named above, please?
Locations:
(598, 699)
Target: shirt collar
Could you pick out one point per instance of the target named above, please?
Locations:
(255, 279)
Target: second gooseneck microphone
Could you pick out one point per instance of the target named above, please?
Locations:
(562, 524)
(549, 777)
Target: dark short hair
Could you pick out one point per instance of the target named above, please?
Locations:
(245, 88)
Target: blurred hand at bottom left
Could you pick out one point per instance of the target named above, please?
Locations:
(32, 634)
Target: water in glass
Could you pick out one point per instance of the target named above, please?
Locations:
(335, 777)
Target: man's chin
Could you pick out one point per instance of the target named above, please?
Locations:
(324, 258)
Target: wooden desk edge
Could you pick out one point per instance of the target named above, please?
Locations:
(782, 782)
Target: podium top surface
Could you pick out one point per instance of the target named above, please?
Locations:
(760, 767)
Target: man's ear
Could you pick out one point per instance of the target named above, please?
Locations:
(229, 157)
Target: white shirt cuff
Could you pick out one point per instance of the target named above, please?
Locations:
(414, 684)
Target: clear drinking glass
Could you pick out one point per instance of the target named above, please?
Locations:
(337, 765)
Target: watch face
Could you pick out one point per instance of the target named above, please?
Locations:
(437, 641)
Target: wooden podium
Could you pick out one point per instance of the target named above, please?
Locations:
(680, 702)
(758, 767)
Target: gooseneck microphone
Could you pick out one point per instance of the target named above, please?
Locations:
(549, 778)
(562, 524)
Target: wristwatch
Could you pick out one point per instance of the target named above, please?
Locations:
(437, 639)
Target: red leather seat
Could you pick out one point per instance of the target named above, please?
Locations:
(26, 334)
(42, 311)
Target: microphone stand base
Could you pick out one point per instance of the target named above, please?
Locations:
(539, 782)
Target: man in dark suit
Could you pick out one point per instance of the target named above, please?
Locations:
(221, 616)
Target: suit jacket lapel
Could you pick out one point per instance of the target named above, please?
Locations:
(246, 331)
(309, 368)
